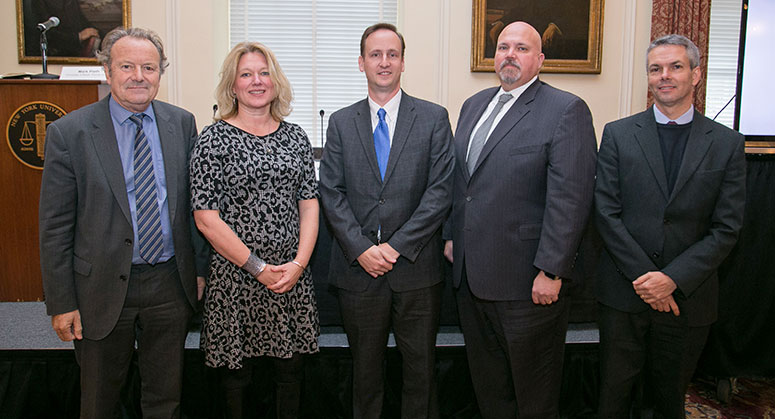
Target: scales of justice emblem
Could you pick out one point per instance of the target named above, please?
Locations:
(26, 131)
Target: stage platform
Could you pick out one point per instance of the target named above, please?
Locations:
(25, 326)
(39, 375)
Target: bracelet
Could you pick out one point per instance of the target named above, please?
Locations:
(298, 264)
(254, 265)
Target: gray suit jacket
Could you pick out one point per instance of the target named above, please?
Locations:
(410, 205)
(85, 224)
(687, 233)
(526, 205)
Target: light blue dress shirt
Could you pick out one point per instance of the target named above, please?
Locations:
(125, 136)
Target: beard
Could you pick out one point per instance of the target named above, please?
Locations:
(508, 76)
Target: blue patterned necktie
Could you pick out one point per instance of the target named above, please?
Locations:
(382, 142)
(480, 137)
(149, 235)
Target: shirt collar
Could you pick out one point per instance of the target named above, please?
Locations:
(686, 118)
(121, 114)
(517, 92)
(391, 107)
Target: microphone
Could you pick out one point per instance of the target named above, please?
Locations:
(52, 22)
(322, 113)
(319, 154)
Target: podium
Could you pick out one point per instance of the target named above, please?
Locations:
(26, 109)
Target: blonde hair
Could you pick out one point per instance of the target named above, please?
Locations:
(227, 100)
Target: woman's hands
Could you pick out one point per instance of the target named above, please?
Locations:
(281, 278)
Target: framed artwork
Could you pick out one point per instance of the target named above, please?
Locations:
(571, 32)
(83, 24)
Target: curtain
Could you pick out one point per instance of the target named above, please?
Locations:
(690, 18)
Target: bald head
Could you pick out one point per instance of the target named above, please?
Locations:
(518, 56)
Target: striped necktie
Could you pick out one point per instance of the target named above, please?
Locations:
(480, 137)
(149, 234)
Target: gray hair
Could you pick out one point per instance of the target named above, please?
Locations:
(103, 55)
(673, 39)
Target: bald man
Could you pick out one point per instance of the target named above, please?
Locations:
(524, 178)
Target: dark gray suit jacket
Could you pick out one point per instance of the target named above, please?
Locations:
(687, 233)
(410, 205)
(85, 224)
(527, 203)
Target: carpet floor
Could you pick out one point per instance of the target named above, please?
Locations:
(752, 398)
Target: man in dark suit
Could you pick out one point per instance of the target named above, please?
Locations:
(669, 202)
(524, 175)
(117, 246)
(385, 184)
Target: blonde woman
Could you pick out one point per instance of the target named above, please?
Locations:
(254, 196)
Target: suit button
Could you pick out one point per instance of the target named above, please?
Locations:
(655, 255)
(666, 221)
(123, 277)
(381, 201)
(468, 198)
(128, 242)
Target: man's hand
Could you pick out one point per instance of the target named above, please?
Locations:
(654, 286)
(666, 305)
(68, 325)
(200, 287)
(448, 250)
(390, 254)
(289, 276)
(374, 263)
(545, 290)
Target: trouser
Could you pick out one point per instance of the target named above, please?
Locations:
(155, 316)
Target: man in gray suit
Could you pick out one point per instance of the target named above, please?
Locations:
(117, 246)
(669, 201)
(524, 173)
(385, 184)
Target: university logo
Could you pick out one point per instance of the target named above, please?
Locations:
(26, 131)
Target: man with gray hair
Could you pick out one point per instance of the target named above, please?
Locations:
(669, 200)
(120, 259)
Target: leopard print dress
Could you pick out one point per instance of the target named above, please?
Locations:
(255, 183)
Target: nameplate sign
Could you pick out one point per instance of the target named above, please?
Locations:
(82, 73)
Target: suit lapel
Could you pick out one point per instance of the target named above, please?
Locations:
(463, 135)
(105, 144)
(169, 150)
(647, 137)
(509, 120)
(365, 133)
(697, 146)
(404, 122)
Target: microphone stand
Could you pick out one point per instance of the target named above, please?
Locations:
(43, 49)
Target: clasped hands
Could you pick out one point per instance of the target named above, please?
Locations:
(280, 278)
(378, 260)
(656, 289)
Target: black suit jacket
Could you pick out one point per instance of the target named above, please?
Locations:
(685, 234)
(410, 204)
(526, 205)
(86, 229)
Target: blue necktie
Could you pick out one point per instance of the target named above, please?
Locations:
(382, 142)
(149, 235)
